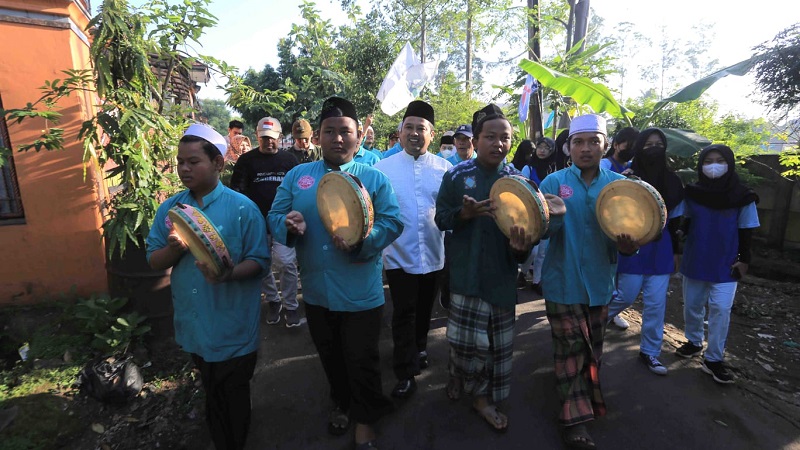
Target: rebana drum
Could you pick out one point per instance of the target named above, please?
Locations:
(631, 206)
(345, 207)
(204, 240)
(519, 202)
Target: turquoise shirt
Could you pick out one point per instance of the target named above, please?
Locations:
(374, 150)
(365, 156)
(333, 279)
(217, 321)
(455, 159)
(581, 261)
(396, 148)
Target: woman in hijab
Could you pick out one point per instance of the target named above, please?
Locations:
(542, 163)
(649, 270)
(562, 151)
(523, 155)
(721, 215)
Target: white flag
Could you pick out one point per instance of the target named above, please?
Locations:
(404, 81)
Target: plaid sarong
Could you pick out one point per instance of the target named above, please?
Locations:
(577, 332)
(480, 336)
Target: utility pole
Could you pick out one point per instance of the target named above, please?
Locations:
(534, 53)
(422, 39)
(468, 77)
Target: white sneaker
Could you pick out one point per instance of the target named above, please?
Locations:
(620, 322)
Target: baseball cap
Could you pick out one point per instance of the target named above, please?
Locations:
(466, 130)
(270, 127)
(301, 129)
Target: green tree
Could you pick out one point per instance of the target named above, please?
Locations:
(215, 113)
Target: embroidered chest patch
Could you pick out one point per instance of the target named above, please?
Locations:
(470, 183)
(305, 182)
(565, 191)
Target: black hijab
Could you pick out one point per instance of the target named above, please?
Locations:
(544, 166)
(522, 157)
(650, 164)
(724, 192)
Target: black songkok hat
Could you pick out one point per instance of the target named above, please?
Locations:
(337, 107)
(490, 111)
(418, 108)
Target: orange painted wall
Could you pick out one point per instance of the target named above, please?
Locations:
(60, 244)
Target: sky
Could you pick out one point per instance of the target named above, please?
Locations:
(248, 32)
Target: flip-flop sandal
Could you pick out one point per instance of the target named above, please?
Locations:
(338, 422)
(492, 415)
(578, 438)
(369, 445)
(455, 387)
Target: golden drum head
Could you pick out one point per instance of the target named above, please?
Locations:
(631, 207)
(519, 202)
(345, 207)
(204, 240)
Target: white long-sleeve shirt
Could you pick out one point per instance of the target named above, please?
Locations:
(420, 249)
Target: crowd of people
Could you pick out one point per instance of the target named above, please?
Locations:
(434, 235)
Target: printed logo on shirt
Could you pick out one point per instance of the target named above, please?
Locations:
(305, 182)
(469, 183)
(565, 191)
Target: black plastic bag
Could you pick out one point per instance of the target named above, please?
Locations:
(112, 379)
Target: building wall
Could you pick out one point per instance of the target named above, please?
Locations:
(59, 245)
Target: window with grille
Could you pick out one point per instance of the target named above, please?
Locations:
(10, 201)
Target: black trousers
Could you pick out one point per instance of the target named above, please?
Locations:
(227, 386)
(412, 297)
(347, 343)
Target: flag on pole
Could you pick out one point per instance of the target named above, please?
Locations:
(525, 100)
(404, 81)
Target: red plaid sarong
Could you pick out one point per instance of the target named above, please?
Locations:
(577, 332)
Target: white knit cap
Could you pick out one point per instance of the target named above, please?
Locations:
(590, 123)
(204, 131)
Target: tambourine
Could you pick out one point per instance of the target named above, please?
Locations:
(345, 207)
(631, 206)
(518, 201)
(204, 240)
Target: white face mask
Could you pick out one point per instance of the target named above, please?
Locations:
(447, 150)
(715, 170)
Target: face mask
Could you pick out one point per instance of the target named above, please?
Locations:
(447, 150)
(625, 155)
(715, 170)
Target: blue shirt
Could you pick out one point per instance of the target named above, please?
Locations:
(712, 242)
(396, 148)
(333, 279)
(217, 321)
(609, 164)
(581, 261)
(653, 258)
(455, 159)
(531, 175)
(365, 156)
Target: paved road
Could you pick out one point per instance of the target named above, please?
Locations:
(685, 409)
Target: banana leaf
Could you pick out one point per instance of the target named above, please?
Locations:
(684, 143)
(583, 90)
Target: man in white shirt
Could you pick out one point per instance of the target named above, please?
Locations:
(413, 261)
